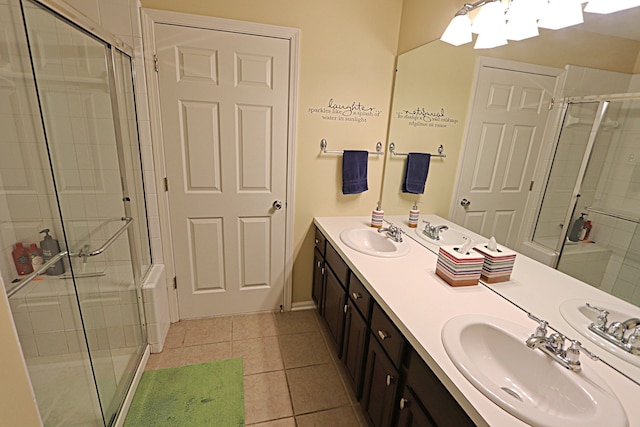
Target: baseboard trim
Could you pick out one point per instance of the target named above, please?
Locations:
(303, 305)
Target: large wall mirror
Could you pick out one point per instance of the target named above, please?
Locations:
(593, 142)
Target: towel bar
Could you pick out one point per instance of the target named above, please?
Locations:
(392, 150)
(323, 147)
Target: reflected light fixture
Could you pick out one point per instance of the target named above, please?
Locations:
(458, 31)
(561, 14)
(491, 26)
(500, 20)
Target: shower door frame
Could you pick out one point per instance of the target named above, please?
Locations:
(112, 43)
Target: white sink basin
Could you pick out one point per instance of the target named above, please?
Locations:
(579, 316)
(447, 237)
(368, 241)
(527, 383)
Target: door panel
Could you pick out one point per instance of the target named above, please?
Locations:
(224, 101)
(505, 133)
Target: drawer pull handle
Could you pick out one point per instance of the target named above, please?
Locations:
(346, 308)
(390, 380)
(356, 295)
(322, 271)
(404, 403)
(383, 335)
(319, 264)
(317, 241)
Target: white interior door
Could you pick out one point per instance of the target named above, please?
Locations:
(224, 100)
(507, 122)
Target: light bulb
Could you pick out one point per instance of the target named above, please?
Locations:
(561, 14)
(458, 31)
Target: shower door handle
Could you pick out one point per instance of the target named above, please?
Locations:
(465, 203)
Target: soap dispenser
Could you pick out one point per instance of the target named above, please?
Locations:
(414, 215)
(574, 235)
(377, 216)
(50, 248)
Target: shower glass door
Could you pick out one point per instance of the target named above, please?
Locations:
(567, 161)
(83, 125)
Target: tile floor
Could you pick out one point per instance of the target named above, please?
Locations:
(291, 374)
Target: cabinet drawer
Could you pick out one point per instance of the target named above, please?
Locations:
(338, 266)
(320, 241)
(387, 334)
(359, 295)
(434, 396)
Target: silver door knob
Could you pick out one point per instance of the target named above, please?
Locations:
(277, 205)
(465, 203)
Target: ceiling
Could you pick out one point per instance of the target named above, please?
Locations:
(625, 24)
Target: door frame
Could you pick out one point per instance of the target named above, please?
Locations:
(509, 65)
(150, 17)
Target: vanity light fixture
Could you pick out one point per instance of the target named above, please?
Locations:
(561, 14)
(497, 21)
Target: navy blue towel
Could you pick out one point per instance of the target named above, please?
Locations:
(415, 173)
(354, 171)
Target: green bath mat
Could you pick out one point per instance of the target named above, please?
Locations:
(207, 394)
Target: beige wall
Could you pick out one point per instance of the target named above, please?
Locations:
(424, 21)
(434, 77)
(347, 52)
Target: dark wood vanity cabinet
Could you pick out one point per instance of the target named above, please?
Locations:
(336, 282)
(411, 414)
(356, 332)
(382, 374)
(318, 270)
(394, 385)
(318, 280)
(381, 380)
(333, 314)
(432, 395)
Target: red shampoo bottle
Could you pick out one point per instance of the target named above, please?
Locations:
(21, 260)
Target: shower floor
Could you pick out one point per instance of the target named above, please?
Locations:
(65, 389)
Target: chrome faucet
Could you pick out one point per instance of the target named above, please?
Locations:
(393, 232)
(553, 345)
(433, 231)
(623, 334)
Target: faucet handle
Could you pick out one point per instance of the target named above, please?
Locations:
(541, 330)
(573, 352)
(634, 338)
(601, 321)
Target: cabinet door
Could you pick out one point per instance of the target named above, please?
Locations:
(318, 280)
(354, 345)
(433, 395)
(380, 386)
(333, 306)
(411, 413)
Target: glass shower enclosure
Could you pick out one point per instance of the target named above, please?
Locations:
(595, 174)
(71, 163)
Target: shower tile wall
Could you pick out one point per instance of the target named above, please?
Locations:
(27, 202)
(45, 323)
(27, 194)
